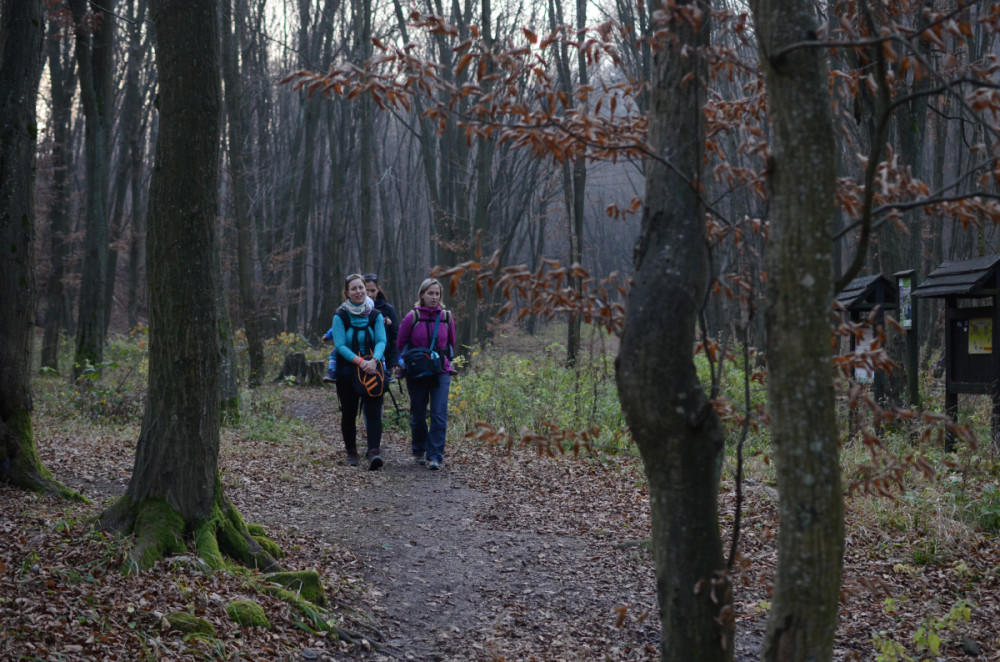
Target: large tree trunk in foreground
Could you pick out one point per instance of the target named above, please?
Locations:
(671, 419)
(803, 616)
(175, 486)
(22, 29)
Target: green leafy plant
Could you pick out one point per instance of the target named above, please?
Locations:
(537, 394)
(928, 635)
(888, 649)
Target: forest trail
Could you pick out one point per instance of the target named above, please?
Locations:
(452, 579)
(503, 555)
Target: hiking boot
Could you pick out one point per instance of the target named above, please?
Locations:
(375, 462)
(329, 377)
(352, 459)
(433, 465)
(419, 459)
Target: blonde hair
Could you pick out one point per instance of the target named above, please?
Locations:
(350, 277)
(426, 285)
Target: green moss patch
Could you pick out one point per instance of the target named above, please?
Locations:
(248, 614)
(159, 531)
(189, 623)
(305, 583)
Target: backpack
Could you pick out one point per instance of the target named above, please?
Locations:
(345, 317)
(444, 317)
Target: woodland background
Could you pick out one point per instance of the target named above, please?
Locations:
(775, 156)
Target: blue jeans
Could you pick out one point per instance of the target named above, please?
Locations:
(421, 391)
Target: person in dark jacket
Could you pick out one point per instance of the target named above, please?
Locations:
(417, 330)
(390, 318)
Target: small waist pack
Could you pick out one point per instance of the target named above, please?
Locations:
(372, 386)
(422, 362)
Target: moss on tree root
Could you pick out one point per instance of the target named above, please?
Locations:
(248, 614)
(160, 531)
(304, 583)
(20, 465)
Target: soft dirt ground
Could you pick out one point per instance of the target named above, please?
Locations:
(501, 556)
(463, 571)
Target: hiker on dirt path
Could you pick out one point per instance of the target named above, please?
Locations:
(358, 335)
(390, 318)
(430, 326)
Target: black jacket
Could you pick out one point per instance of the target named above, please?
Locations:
(391, 330)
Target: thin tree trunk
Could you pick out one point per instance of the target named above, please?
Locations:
(133, 98)
(241, 201)
(62, 80)
(95, 61)
(471, 333)
(802, 177)
(579, 202)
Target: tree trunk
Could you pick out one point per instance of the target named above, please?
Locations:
(300, 371)
(474, 333)
(22, 30)
(671, 419)
(366, 154)
(133, 98)
(579, 203)
(62, 80)
(95, 61)
(802, 178)
(175, 485)
(241, 200)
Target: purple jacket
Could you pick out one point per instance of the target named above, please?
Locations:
(420, 335)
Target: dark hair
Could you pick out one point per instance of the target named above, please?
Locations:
(370, 278)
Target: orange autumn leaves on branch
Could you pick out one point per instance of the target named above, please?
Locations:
(509, 93)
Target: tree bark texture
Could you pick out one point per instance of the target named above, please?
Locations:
(95, 61)
(803, 616)
(62, 81)
(22, 30)
(136, 141)
(238, 159)
(175, 489)
(671, 419)
(178, 447)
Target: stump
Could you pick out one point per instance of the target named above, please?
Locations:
(303, 372)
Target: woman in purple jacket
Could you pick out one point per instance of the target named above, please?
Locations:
(416, 330)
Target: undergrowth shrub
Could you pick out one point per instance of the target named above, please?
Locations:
(111, 391)
(732, 407)
(536, 394)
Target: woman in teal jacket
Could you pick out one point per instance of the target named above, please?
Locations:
(363, 336)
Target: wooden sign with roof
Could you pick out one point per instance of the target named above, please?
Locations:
(859, 298)
(972, 324)
(864, 294)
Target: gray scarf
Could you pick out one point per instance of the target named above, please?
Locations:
(361, 309)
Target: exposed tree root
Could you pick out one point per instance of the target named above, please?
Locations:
(161, 531)
(20, 465)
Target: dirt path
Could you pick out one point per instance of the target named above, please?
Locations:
(454, 577)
